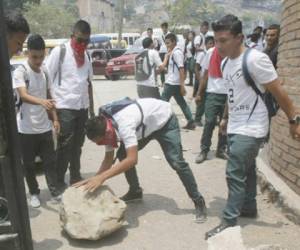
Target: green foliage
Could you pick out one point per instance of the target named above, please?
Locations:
(18, 4)
(49, 20)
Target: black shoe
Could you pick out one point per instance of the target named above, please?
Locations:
(201, 210)
(190, 126)
(252, 214)
(75, 180)
(222, 155)
(218, 229)
(132, 195)
(199, 124)
(201, 157)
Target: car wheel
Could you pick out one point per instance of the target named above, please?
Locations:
(115, 78)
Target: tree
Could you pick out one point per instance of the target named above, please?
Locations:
(18, 4)
(49, 21)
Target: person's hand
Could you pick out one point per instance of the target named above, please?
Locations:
(198, 99)
(48, 104)
(223, 126)
(56, 126)
(182, 90)
(295, 131)
(91, 184)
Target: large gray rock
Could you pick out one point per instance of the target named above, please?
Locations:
(91, 216)
(229, 239)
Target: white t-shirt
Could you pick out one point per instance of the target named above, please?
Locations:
(163, 47)
(73, 91)
(241, 96)
(155, 62)
(156, 114)
(189, 48)
(177, 57)
(200, 58)
(199, 40)
(214, 85)
(32, 119)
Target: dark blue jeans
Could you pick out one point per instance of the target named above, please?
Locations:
(170, 141)
(241, 175)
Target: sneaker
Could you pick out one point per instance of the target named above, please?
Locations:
(201, 210)
(218, 229)
(35, 201)
(190, 126)
(133, 195)
(201, 157)
(222, 155)
(56, 199)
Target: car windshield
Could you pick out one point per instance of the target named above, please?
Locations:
(136, 48)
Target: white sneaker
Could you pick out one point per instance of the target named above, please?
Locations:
(35, 201)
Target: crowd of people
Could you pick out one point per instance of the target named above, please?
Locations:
(230, 82)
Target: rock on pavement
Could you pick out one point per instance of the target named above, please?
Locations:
(91, 216)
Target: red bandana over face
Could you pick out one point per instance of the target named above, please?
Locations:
(110, 137)
(79, 51)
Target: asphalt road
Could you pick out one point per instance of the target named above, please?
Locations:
(164, 219)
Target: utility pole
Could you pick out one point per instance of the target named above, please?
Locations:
(122, 7)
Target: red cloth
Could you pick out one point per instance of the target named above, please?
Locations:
(79, 52)
(214, 69)
(110, 137)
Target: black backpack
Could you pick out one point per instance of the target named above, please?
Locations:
(143, 68)
(267, 97)
(108, 110)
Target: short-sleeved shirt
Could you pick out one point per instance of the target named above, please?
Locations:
(155, 62)
(199, 41)
(32, 119)
(200, 60)
(214, 85)
(72, 92)
(242, 97)
(176, 61)
(156, 114)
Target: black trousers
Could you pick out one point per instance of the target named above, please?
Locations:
(33, 145)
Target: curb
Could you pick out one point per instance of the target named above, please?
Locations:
(278, 191)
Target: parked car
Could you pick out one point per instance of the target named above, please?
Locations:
(100, 58)
(99, 42)
(125, 64)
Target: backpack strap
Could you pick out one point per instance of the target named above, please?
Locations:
(62, 55)
(26, 76)
(141, 125)
(250, 81)
(224, 64)
(174, 62)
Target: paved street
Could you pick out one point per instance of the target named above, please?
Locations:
(164, 219)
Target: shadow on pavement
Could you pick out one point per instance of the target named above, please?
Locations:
(113, 239)
(153, 202)
(49, 244)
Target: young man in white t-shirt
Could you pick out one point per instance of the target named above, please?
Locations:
(163, 48)
(135, 126)
(71, 72)
(148, 88)
(174, 86)
(33, 86)
(247, 119)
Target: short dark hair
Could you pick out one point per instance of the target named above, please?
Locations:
(82, 26)
(205, 23)
(208, 39)
(95, 127)
(165, 24)
(147, 42)
(172, 37)
(15, 22)
(36, 42)
(228, 23)
(258, 28)
(150, 29)
(274, 27)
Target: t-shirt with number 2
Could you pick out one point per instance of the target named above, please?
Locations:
(242, 97)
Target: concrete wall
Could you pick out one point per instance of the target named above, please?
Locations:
(284, 151)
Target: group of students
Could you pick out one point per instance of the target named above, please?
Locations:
(53, 99)
(134, 123)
